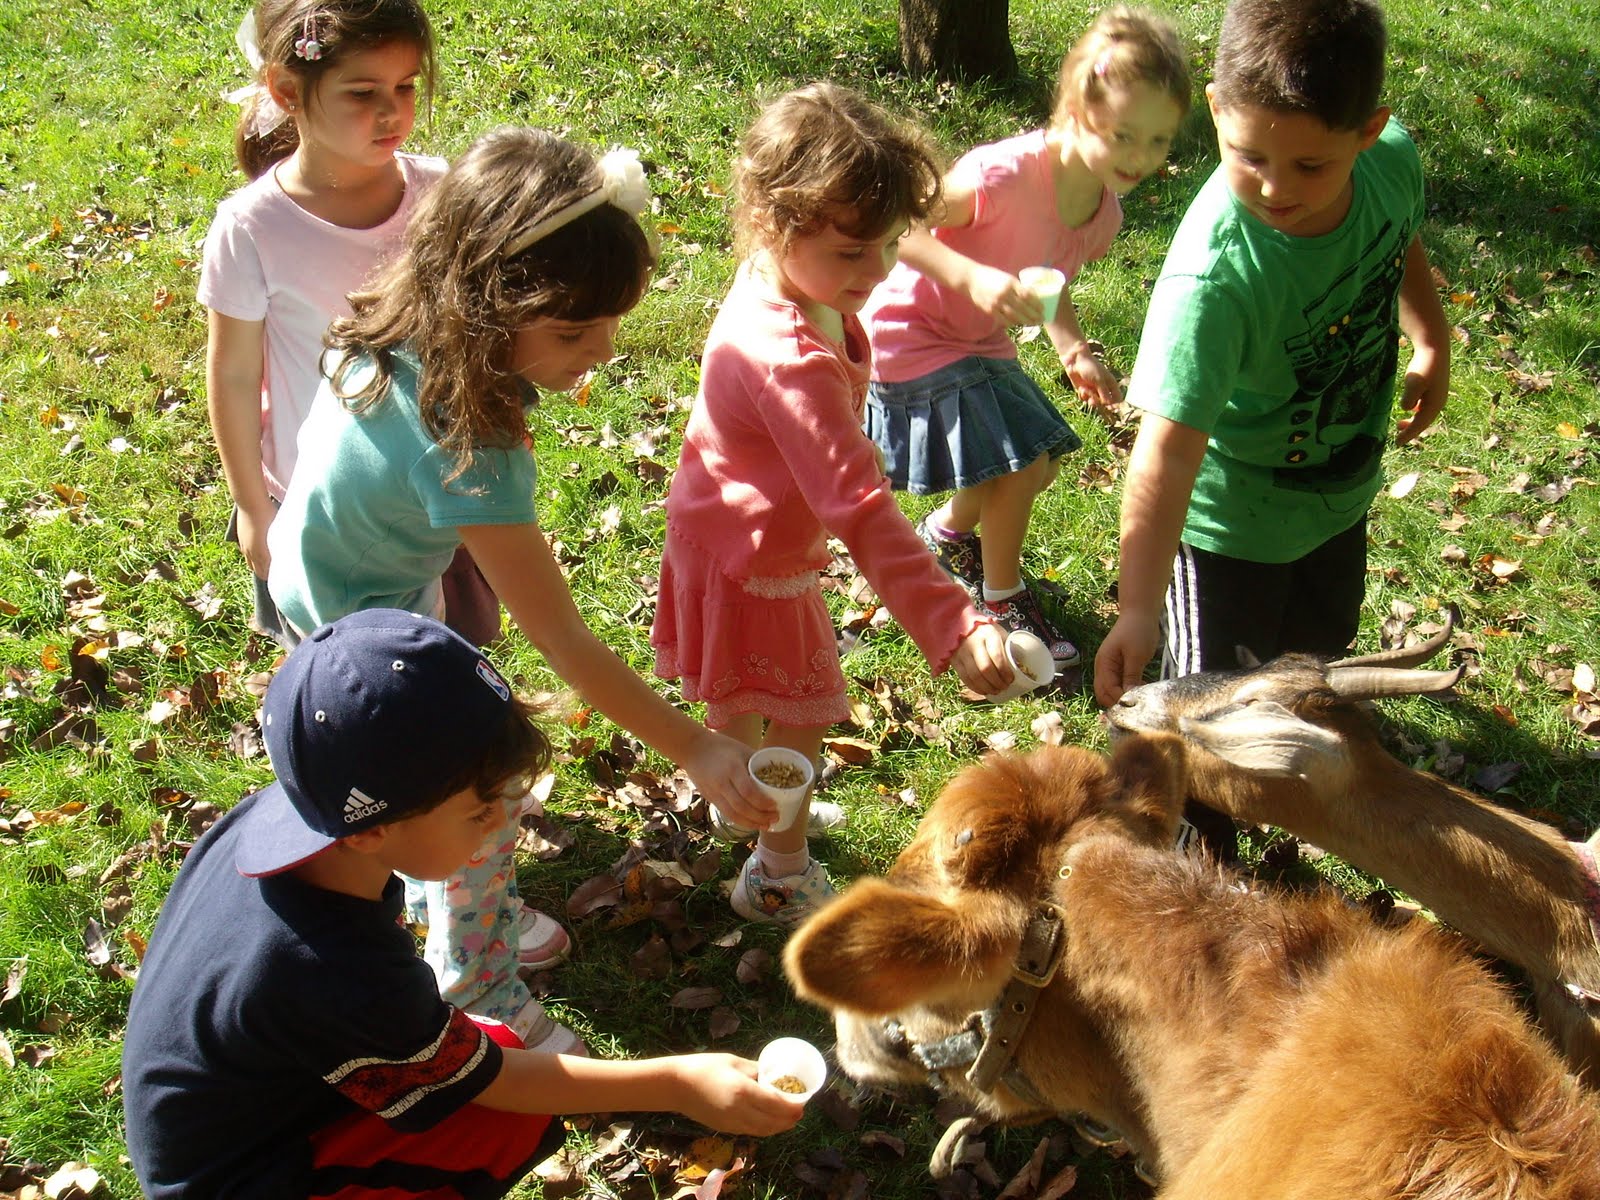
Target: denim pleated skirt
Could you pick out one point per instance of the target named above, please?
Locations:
(974, 420)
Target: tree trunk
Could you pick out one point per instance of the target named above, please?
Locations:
(957, 39)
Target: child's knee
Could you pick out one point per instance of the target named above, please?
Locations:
(1049, 468)
(1037, 475)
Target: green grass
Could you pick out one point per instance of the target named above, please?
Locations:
(114, 149)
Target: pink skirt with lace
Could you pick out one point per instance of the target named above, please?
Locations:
(760, 645)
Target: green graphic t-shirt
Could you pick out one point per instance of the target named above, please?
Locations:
(1283, 350)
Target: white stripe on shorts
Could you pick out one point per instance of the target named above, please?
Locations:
(1183, 615)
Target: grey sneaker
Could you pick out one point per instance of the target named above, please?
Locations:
(824, 817)
(961, 557)
(1022, 611)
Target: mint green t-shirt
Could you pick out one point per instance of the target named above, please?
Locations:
(368, 521)
(1283, 350)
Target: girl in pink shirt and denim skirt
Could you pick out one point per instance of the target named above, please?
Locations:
(949, 405)
(774, 461)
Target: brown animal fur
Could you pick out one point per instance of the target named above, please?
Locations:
(1245, 1044)
(1511, 884)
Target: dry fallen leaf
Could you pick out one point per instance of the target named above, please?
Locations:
(695, 997)
(1583, 678)
(1401, 487)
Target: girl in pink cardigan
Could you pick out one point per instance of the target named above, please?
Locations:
(774, 461)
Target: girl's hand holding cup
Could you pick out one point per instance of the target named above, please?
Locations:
(980, 661)
(719, 766)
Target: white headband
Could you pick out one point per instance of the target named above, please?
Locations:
(622, 183)
(268, 113)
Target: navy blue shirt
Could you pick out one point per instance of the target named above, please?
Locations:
(266, 1009)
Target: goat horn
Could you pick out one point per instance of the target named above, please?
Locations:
(1369, 683)
(1404, 656)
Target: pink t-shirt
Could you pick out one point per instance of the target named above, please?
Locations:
(918, 326)
(268, 259)
(774, 461)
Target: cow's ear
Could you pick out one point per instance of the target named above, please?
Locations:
(1150, 771)
(879, 949)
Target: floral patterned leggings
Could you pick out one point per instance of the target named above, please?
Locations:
(472, 920)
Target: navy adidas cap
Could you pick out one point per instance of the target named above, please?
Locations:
(368, 719)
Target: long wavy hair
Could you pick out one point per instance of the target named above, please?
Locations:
(456, 300)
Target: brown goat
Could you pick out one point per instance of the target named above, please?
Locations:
(1287, 744)
(1245, 1044)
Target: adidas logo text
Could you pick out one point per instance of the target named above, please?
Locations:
(358, 806)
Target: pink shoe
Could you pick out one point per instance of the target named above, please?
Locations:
(541, 942)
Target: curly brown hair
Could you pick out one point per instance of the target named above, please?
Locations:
(1123, 47)
(822, 153)
(454, 299)
(341, 28)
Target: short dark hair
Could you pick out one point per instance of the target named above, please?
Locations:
(1320, 57)
(517, 750)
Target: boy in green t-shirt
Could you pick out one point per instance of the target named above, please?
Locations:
(1266, 367)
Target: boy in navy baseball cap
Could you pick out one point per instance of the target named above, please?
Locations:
(284, 1038)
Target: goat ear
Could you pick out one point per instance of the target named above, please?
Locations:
(1246, 656)
(879, 949)
(1268, 739)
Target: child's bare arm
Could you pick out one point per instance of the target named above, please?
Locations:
(1155, 498)
(718, 1090)
(235, 353)
(523, 573)
(1422, 320)
(1090, 378)
(995, 292)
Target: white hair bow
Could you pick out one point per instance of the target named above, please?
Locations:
(622, 183)
(268, 113)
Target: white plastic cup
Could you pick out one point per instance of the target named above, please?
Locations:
(788, 799)
(1030, 660)
(796, 1058)
(1046, 284)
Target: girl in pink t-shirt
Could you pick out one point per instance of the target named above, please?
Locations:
(949, 405)
(774, 461)
(333, 98)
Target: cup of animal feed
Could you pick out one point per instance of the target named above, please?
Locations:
(1030, 661)
(786, 776)
(1046, 284)
(792, 1065)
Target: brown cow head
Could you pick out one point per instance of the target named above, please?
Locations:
(906, 961)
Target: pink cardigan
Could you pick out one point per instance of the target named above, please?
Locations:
(774, 461)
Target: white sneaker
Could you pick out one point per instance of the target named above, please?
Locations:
(775, 900)
(540, 1032)
(824, 817)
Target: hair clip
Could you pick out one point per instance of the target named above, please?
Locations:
(622, 184)
(1102, 65)
(306, 45)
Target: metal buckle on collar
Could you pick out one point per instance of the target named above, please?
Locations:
(1040, 952)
